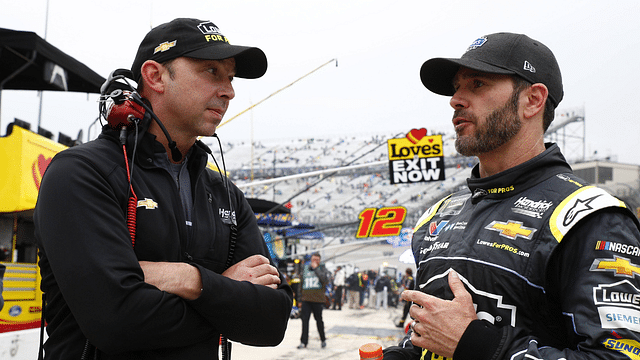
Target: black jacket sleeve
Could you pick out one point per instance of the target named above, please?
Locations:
(253, 314)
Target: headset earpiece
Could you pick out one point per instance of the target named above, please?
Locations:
(117, 102)
(120, 105)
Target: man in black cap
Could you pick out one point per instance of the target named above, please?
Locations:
(145, 252)
(535, 264)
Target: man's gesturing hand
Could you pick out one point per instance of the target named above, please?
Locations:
(439, 324)
(255, 269)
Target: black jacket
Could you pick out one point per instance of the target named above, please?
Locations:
(90, 273)
(549, 262)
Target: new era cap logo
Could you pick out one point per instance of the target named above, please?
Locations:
(529, 67)
(476, 44)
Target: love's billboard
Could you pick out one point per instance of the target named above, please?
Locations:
(416, 158)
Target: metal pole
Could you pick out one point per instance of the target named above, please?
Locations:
(40, 93)
(263, 100)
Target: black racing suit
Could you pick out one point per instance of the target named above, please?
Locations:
(90, 272)
(552, 265)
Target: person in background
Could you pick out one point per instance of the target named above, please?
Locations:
(338, 284)
(406, 283)
(314, 282)
(382, 286)
(197, 265)
(363, 285)
(530, 254)
(353, 290)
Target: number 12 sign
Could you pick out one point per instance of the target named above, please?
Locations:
(386, 221)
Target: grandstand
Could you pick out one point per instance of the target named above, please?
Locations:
(338, 197)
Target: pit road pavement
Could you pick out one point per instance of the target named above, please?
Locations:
(346, 330)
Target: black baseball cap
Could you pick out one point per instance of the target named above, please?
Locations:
(500, 53)
(199, 39)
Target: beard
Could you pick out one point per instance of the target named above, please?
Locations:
(499, 128)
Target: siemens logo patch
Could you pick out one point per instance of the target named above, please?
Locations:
(613, 317)
(618, 247)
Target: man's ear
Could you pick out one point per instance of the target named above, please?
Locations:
(535, 100)
(152, 75)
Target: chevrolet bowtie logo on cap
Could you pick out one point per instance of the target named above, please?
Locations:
(165, 46)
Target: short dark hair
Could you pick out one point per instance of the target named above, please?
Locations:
(520, 84)
(316, 254)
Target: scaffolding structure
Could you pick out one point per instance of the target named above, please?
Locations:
(568, 130)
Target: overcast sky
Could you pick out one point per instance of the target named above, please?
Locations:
(379, 45)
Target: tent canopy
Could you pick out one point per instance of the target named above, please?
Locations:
(262, 206)
(28, 62)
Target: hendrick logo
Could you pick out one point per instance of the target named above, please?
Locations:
(528, 207)
(228, 217)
